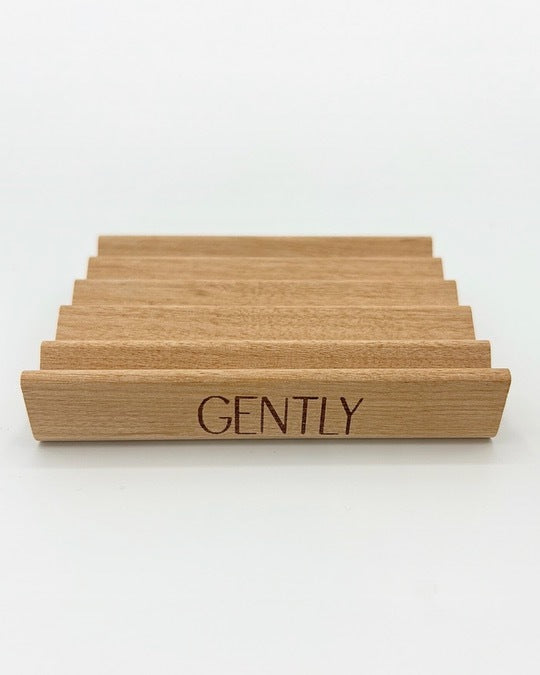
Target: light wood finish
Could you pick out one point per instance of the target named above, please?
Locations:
(171, 322)
(306, 268)
(137, 354)
(246, 293)
(265, 246)
(264, 337)
(216, 404)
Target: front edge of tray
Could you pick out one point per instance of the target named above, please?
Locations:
(96, 405)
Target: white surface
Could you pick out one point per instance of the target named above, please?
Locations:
(293, 118)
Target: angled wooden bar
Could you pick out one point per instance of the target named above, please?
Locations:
(203, 354)
(253, 292)
(171, 322)
(219, 404)
(285, 268)
(264, 246)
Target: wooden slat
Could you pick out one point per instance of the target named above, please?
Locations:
(323, 268)
(112, 322)
(138, 354)
(215, 404)
(265, 246)
(293, 293)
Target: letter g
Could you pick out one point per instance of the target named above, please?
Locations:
(200, 414)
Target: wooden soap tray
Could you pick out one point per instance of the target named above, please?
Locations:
(264, 337)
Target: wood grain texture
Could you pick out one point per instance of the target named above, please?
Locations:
(204, 354)
(293, 293)
(181, 337)
(306, 268)
(171, 322)
(265, 246)
(217, 404)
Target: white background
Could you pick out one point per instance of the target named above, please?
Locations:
(288, 117)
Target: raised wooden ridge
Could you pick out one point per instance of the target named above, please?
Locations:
(297, 354)
(93, 322)
(264, 246)
(269, 292)
(207, 404)
(229, 267)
